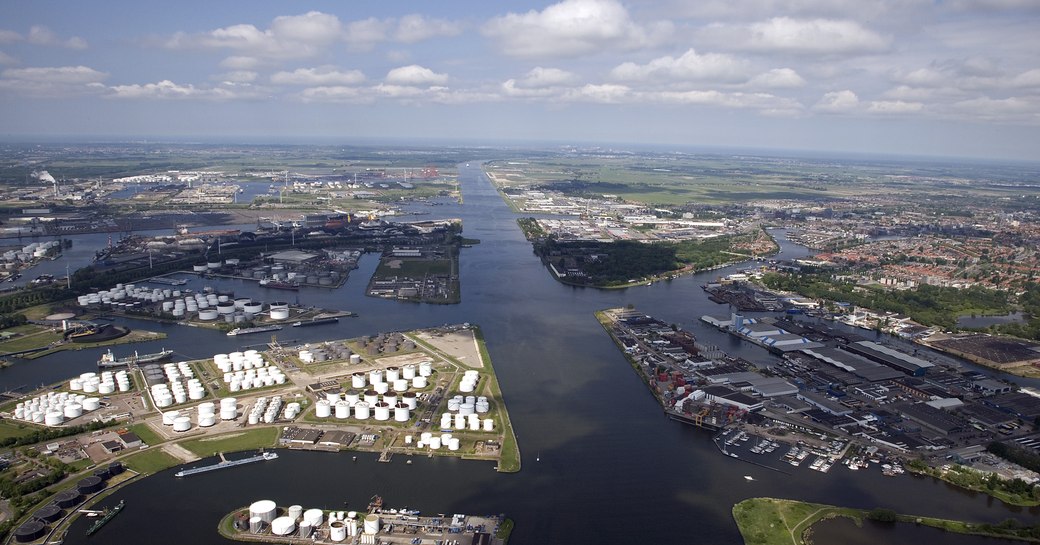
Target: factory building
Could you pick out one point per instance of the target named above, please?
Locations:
(727, 396)
(895, 359)
(824, 403)
(851, 363)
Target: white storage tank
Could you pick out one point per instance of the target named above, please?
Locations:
(282, 526)
(91, 404)
(295, 512)
(279, 314)
(169, 416)
(419, 382)
(314, 516)
(73, 410)
(337, 531)
(372, 524)
(392, 374)
(408, 398)
(355, 359)
(425, 369)
(401, 413)
(53, 418)
(408, 372)
(207, 420)
(362, 411)
(265, 509)
(322, 409)
(182, 423)
(357, 380)
(207, 314)
(489, 424)
(342, 410)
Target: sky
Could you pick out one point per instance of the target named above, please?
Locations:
(957, 78)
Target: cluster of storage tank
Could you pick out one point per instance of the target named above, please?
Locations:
(173, 392)
(399, 379)
(296, 522)
(436, 442)
(180, 423)
(129, 295)
(328, 351)
(247, 370)
(370, 404)
(33, 250)
(55, 407)
(105, 383)
(472, 422)
(468, 405)
(266, 410)
(469, 381)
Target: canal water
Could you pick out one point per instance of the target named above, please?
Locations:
(601, 464)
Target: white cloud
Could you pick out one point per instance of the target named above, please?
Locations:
(838, 102)
(7, 59)
(691, 66)
(993, 5)
(60, 74)
(168, 90)
(288, 37)
(994, 108)
(238, 76)
(539, 77)
(335, 93)
(894, 107)
(321, 76)
(416, 28)
(606, 93)
(9, 36)
(53, 81)
(366, 33)
(570, 28)
(240, 63)
(414, 74)
(41, 35)
(799, 36)
(778, 78)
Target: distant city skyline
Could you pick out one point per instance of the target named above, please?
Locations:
(954, 78)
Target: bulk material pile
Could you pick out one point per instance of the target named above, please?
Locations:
(55, 407)
(247, 370)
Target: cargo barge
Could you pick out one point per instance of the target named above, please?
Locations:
(108, 516)
(316, 321)
(248, 330)
(109, 360)
(226, 464)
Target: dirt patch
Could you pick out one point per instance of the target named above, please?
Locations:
(461, 345)
(394, 264)
(402, 360)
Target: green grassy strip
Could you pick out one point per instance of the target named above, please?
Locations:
(237, 441)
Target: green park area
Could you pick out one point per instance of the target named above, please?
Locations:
(234, 442)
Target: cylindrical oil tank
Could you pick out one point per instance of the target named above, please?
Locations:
(90, 485)
(256, 524)
(53, 418)
(91, 404)
(408, 398)
(73, 410)
(30, 531)
(207, 314)
(390, 399)
(425, 369)
(408, 372)
(115, 468)
(282, 526)
(382, 411)
(355, 359)
(375, 376)
(305, 530)
(207, 420)
(489, 424)
(419, 382)
(435, 443)
(371, 397)
(182, 423)
(68, 498)
(169, 416)
(253, 308)
(265, 509)
(372, 524)
(102, 472)
(401, 413)
(362, 411)
(279, 314)
(48, 514)
(342, 410)
(228, 413)
(400, 385)
(337, 531)
(314, 516)
(381, 387)
(392, 374)
(295, 512)
(227, 307)
(357, 380)
(322, 409)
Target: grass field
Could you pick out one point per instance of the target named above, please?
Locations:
(247, 440)
(9, 428)
(150, 461)
(145, 432)
(412, 268)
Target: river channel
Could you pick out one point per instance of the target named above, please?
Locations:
(601, 464)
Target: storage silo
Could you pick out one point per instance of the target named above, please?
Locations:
(408, 372)
(392, 374)
(357, 380)
(48, 513)
(68, 498)
(408, 398)
(322, 409)
(419, 382)
(181, 424)
(295, 512)
(342, 410)
(401, 413)
(305, 530)
(265, 509)
(256, 525)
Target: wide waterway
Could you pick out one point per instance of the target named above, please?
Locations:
(612, 468)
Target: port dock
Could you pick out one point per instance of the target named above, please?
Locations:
(224, 464)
